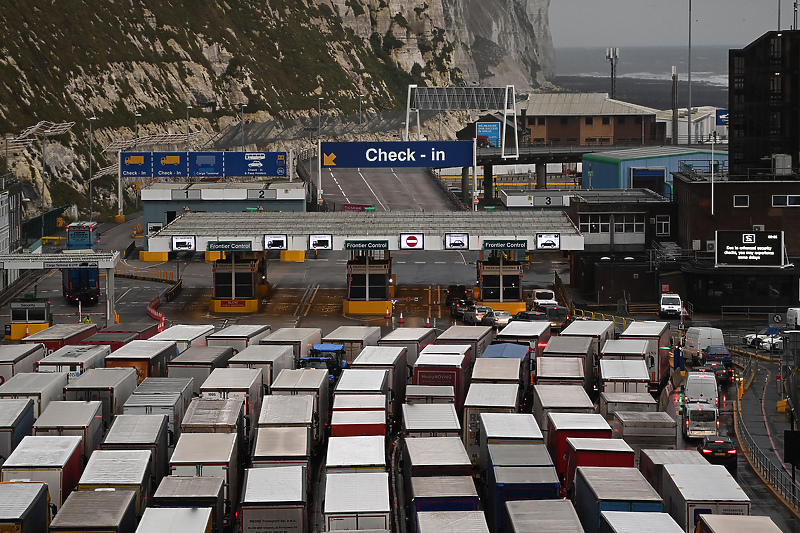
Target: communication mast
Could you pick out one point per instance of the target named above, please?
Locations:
(612, 55)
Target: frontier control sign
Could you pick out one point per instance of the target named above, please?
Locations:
(750, 248)
(397, 154)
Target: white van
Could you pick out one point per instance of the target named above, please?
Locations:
(701, 387)
(670, 305)
(793, 318)
(698, 339)
(700, 420)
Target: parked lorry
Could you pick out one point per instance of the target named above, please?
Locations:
(280, 410)
(53, 460)
(435, 456)
(238, 336)
(485, 398)
(444, 365)
(452, 522)
(715, 523)
(176, 520)
(26, 507)
(623, 375)
(16, 422)
(505, 428)
(142, 330)
(527, 516)
(653, 460)
(413, 340)
(600, 488)
(561, 426)
(610, 402)
(185, 335)
(275, 500)
(209, 454)
(560, 371)
(558, 399)
(430, 394)
(149, 358)
(534, 335)
(300, 339)
(310, 382)
(282, 446)
(598, 330)
(141, 432)
(659, 350)
(393, 359)
(692, 490)
(170, 405)
(83, 419)
(575, 346)
(60, 335)
(224, 383)
(358, 500)
(74, 360)
(114, 340)
(430, 420)
(510, 483)
(646, 430)
(360, 402)
(594, 452)
(443, 493)
(218, 416)
(41, 388)
(119, 470)
(271, 359)
(18, 358)
(112, 511)
(354, 339)
(193, 492)
(181, 386)
(633, 522)
(355, 454)
(479, 338)
(112, 386)
(514, 352)
(197, 362)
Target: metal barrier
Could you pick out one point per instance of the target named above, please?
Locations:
(774, 476)
(617, 320)
(750, 310)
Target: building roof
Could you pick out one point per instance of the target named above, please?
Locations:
(580, 104)
(647, 152)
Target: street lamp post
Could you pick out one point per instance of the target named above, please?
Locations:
(91, 197)
(136, 130)
(689, 60)
(44, 144)
(360, 98)
(319, 118)
(188, 107)
(242, 106)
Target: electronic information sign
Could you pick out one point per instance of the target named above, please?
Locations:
(750, 248)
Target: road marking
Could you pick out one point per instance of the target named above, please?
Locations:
(440, 262)
(119, 298)
(372, 191)
(400, 262)
(419, 262)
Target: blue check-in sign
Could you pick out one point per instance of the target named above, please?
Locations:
(722, 117)
(206, 164)
(136, 164)
(397, 154)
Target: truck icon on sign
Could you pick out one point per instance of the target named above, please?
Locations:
(171, 160)
(134, 160)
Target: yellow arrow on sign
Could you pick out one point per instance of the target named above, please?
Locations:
(328, 160)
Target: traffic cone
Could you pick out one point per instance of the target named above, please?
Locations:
(388, 314)
(428, 321)
(401, 317)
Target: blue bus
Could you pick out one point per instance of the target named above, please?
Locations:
(81, 284)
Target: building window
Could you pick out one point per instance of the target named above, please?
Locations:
(541, 121)
(786, 200)
(606, 121)
(637, 120)
(620, 120)
(741, 200)
(629, 223)
(589, 121)
(595, 223)
(662, 225)
(564, 121)
(531, 121)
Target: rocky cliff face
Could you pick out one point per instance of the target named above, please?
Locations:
(113, 59)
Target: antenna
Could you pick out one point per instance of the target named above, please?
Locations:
(612, 55)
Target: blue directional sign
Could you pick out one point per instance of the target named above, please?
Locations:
(206, 164)
(170, 164)
(255, 164)
(722, 117)
(488, 134)
(136, 164)
(397, 154)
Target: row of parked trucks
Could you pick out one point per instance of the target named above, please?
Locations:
(493, 435)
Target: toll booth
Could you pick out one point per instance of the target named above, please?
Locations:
(28, 317)
(239, 282)
(500, 280)
(370, 282)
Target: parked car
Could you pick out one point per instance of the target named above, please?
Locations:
(529, 316)
(754, 339)
(459, 306)
(474, 314)
(771, 343)
(719, 451)
(457, 293)
(496, 319)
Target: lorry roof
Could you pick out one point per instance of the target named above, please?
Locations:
(183, 332)
(624, 370)
(601, 445)
(352, 333)
(424, 416)
(281, 442)
(69, 414)
(379, 355)
(625, 347)
(153, 400)
(551, 396)
(95, 509)
(201, 355)
(472, 333)
(42, 451)
(452, 522)
(204, 448)
(32, 382)
(524, 329)
(279, 409)
(519, 455)
(290, 335)
(362, 380)
(189, 487)
(659, 457)
(16, 499)
(139, 349)
(496, 369)
(281, 484)
(649, 328)
(76, 353)
(546, 516)
(577, 421)
(239, 331)
(302, 378)
(445, 349)
(617, 484)
(134, 429)
(739, 523)
(58, 332)
(637, 522)
(523, 475)
(559, 367)
(359, 401)
(628, 397)
(203, 413)
(492, 395)
(705, 482)
(569, 345)
(358, 417)
(437, 451)
(359, 492)
(110, 336)
(356, 451)
(437, 391)
(14, 352)
(407, 335)
(262, 353)
(443, 486)
(510, 425)
(161, 385)
(174, 519)
(642, 418)
(590, 328)
(12, 410)
(102, 377)
(108, 467)
(231, 378)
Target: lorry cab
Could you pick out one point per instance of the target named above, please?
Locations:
(699, 420)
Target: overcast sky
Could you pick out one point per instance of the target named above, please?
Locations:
(603, 23)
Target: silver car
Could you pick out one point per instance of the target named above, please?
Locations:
(496, 319)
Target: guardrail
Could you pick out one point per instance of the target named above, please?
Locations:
(750, 310)
(775, 477)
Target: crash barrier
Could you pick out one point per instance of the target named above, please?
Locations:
(146, 274)
(776, 478)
